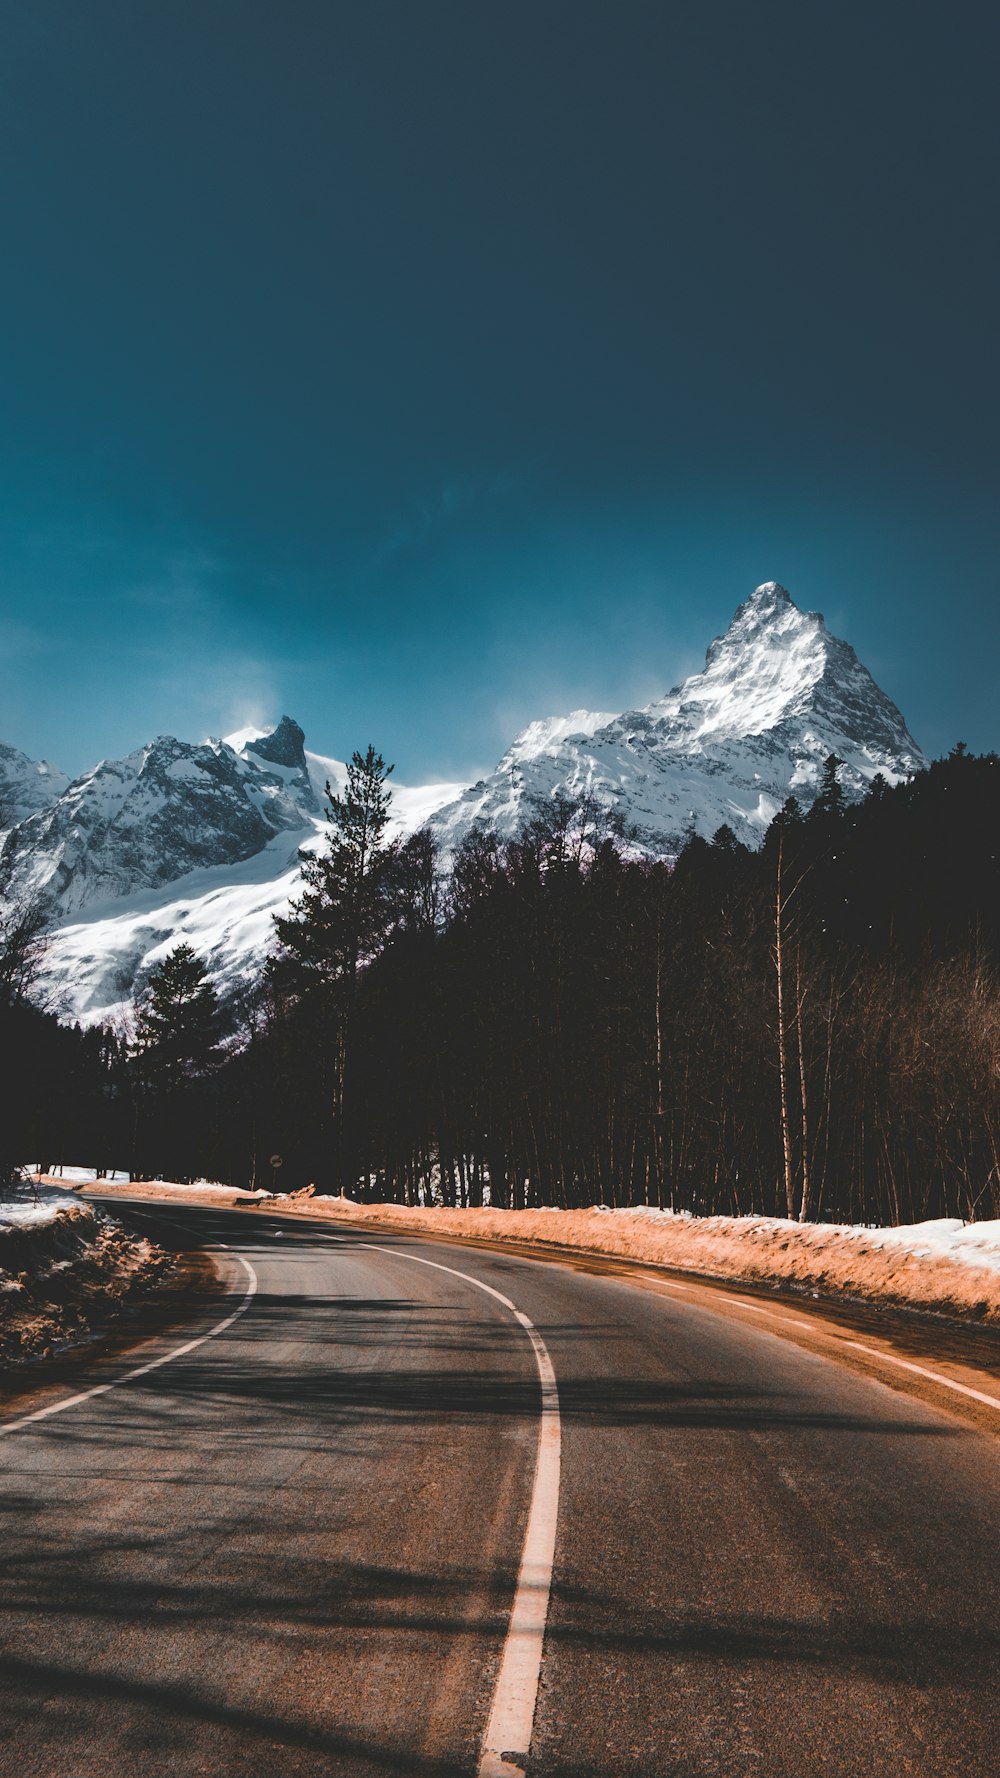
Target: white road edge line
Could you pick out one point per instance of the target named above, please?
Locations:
(904, 1364)
(782, 1320)
(507, 1740)
(991, 1401)
(142, 1370)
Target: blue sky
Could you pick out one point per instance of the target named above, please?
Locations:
(419, 369)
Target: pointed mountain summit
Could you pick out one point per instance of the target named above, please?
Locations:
(778, 695)
(282, 754)
(285, 747)
(776, 663)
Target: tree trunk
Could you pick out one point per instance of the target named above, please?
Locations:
(805, 1207)
(779, 963)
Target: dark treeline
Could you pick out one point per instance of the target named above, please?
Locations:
(811, 1029)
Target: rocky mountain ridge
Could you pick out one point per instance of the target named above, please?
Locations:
(166, 809)
(778, 695)
(200, 841)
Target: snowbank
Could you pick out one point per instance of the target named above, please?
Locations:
(949, 1267)
(66, 1269)
(203, 1191)
(68, 1176)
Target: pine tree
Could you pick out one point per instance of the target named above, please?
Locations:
(830, 800)
(179, 1025)
(342, 919)
(339, 922)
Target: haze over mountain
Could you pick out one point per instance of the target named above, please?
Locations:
(200, 841)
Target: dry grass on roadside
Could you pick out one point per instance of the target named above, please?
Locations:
(912, 1267)
(68, 1274)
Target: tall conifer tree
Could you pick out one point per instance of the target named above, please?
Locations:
(342, 919)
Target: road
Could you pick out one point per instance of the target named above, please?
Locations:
(294, 1547)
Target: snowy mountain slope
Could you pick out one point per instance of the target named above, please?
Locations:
(200, 841)
(94, 965)
(778, 694)
(26, 785)
(223, 910)
(166, 809)
(412, 804)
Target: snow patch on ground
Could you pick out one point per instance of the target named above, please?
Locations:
(949, 1268)
(947, 1237)
(968, 1243)
(946, 1266)
(70, 1176)
(66, 1269)
(202, 1191)
(30, 1215)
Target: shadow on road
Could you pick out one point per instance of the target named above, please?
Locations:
(126, 1587)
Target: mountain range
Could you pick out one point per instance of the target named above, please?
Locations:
(200, 841)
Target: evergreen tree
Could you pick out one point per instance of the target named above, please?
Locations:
(725, 840)
(830, 800)
(179, 1026)
(341, 922)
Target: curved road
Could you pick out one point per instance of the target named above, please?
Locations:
(294, 1547)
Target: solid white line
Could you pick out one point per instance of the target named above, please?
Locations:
(508, 1733)
(782, 1320)
(991, 1401)
(142, 1370)
(904, 1364)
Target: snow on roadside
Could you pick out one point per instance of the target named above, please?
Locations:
(201, 1191)
(32, 1213)
(948, 1267)
(968, 1243)
(67, 1176)
(66, 1269)
(945, 1266)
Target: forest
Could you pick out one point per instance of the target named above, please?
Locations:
(808, 1030)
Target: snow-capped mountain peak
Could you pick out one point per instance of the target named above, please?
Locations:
(178, 840)
(777, 695)
(285, 746)
(281, 755)
(165, 809)
(763, 669)
(200, 841)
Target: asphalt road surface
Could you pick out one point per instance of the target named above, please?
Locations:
(294, 1547)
